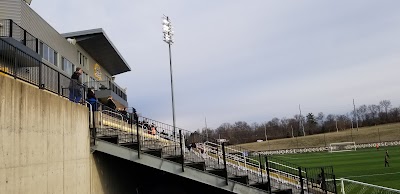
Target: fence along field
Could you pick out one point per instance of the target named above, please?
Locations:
(379, 133)
(364, 165)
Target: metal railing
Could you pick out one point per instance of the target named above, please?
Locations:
(21, 65)
(108, 85)
(11, 29)
(233, 162)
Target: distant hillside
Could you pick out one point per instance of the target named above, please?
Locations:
(379, 133)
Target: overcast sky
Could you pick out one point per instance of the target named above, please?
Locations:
(246, 60)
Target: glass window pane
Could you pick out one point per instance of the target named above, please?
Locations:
(55, 58)
(41, 49)
(45, 52)
(51, 56)
(63, 64)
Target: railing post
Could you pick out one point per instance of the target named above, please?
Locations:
(10, 29)
(15, 62)
(301, 181)
(24, 41)
(137, 133)
(131, 123)
(217, 157)
(224, 158)
(58, 84)
(307, 182)
(334, 183)
(182, 154)
(94, 129)
(323, 184)
(37, 45)
(268, 177)
(40, 75)
(342, 186)
(259, 162)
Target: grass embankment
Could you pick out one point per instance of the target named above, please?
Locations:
(379, 133)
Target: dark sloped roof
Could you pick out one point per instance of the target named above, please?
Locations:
(99, 46)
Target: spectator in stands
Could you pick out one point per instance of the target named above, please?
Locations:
(164, 135)
(110, 103)
(135, 116)
(146, 126)
(75, 86)
(91, 98)
(124, 113)
(153, 129)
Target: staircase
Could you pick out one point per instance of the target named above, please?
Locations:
(159, 146)
(163, 151)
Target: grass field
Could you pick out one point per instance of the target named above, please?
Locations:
(365, 165)
(379, 133)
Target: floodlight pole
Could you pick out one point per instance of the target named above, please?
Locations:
(169, 42)
(172, 91)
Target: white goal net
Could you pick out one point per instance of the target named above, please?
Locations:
(348, 186)
(342, 147)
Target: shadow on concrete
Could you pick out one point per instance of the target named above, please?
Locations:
(122, 176)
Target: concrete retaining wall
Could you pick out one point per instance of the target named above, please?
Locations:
(44, 141)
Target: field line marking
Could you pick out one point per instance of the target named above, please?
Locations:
(372, 175)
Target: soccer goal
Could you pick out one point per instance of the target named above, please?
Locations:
(342, 147)
(348, 186)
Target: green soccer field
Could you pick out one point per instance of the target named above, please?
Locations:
(364, 165)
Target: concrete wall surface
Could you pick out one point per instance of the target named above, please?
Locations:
(44, 142)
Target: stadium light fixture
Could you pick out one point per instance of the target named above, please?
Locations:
(168, 33)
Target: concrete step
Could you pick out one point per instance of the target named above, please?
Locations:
(240, 179)
(263, 186)
(112, 138)
(285, 191)
(177, 159)
(218, 172)
(134, 145)
(197, 165)
(154, 152)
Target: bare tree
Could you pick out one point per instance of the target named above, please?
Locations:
(320, 118)
(373, 110)
(385, 104)
(361, 113)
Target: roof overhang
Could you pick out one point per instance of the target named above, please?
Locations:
(100, 48)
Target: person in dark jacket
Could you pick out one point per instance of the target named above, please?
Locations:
(135, 116)
(110, 103)
(75, 86)
(91, 98)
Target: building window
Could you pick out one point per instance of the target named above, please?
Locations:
(85, 78)
(67, 66)
(48, 54)
(92, 83)
(83, 60)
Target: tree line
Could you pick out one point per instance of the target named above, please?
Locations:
(300, 125)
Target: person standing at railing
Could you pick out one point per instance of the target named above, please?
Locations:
(110, 103)
(124, 113)
(153, 129)
(91, 98)
(75, 86)
(135, 116)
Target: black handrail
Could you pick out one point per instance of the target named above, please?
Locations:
(225, 168)
(20, 65)
(15, 31)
